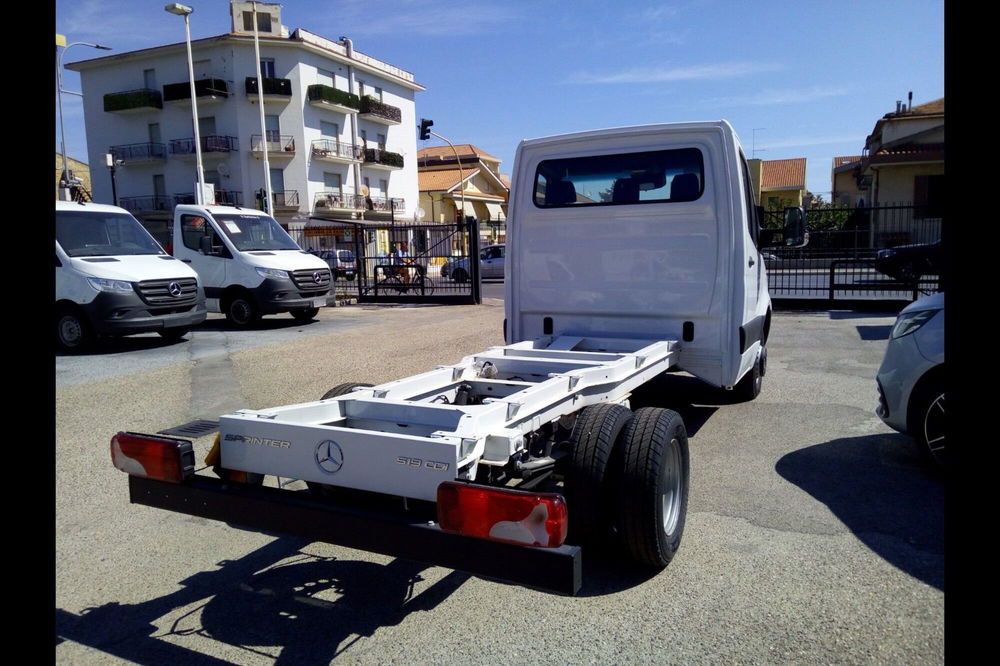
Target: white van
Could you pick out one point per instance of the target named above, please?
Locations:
(248, 264)
(113, 278)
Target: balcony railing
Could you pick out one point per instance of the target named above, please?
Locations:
(385, 204)
(139, 152)
(133, 100)
(335, 199)
(383, 157)
(209, 144)
(274, 143)
(286, 199)
(222, 198)
(151, 202)
(202, 88)
(336, 149)
(373, 109)
(275, 87)
(326, 95)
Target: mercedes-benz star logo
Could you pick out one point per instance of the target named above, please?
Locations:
(329, 457)
(318, 277)
(174, 289)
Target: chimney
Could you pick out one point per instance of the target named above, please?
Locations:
(910, 103)
(899, 105)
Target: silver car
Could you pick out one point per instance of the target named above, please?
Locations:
(911, 378)
(491, 265)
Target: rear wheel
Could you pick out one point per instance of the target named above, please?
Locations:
(749, 387)
(653, 492)
(588, 494)
(305, 314)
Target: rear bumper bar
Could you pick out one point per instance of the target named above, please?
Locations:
(299, 514)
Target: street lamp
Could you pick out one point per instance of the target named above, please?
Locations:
(185, 11)
(64, 177)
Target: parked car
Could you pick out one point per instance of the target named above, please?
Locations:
(909, 263)
(342, 262)
(910, 380)
(491, 263)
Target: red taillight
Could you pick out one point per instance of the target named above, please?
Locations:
(152, 457)
(500, 514)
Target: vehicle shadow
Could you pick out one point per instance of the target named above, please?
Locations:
(690, 397)
(269, 323)
(307, 607)
(125, 345)
(882, 490)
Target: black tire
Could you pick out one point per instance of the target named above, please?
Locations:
(341, 389)
(589, 497)
(305, 314)
(175, 333)
(653, 492)
(749, 387)
(460, 275)
(927, 421)
(241, 311)
(73, 331)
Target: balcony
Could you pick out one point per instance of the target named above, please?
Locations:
(222, 198)
(385, 205)
(133, 101)
(207, 91)
(139, 153)
(277, 145)
(331, 99)
(333, 202)
(146, 203)
(376, 158)
(275, 90)
(287, 200)
(335, 150)
(212, 146)
(379, 112)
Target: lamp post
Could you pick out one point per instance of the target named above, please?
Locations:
(185, 11)
(64, 176)
(269, 203)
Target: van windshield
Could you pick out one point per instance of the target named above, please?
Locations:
(255, 232)
(91, 233)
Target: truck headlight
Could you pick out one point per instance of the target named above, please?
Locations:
(273, 273)
(911, 321)
(104, 284)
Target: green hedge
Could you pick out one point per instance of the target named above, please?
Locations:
(133, 99)
(383, 157)
(325, 93)
(371, 105)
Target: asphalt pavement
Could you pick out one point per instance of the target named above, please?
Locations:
(814, 533)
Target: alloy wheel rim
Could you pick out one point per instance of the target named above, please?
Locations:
(934, 428)
(670, 499)
(70, 331)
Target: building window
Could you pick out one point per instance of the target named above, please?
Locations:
(267, 68)
(263, 22)
(928, 196)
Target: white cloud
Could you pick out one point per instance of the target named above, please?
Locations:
(667, 73)
(787, 96)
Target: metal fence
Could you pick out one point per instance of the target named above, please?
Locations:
(843, 260)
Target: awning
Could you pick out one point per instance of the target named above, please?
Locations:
(495, 210)
(469, 208)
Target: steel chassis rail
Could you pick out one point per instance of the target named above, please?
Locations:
(295, 513)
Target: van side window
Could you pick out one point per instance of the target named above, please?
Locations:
(657, 176)
(753, 215)
(193, 227)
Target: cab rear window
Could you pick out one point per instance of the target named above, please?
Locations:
(623, 179)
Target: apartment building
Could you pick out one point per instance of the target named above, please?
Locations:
(338, 130)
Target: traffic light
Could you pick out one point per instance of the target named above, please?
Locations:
(425, 128)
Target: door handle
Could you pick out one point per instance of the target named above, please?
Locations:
(186, 261)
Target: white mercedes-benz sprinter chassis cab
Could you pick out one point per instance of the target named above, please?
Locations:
(631, 252)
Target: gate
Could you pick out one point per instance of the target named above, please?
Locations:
(426, 272)
(842, 259)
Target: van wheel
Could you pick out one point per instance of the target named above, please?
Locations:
(305, 314)
(588, 479)
(174, 333)
(749, 387)
(241, 311)
(653, 492)
(73, 331)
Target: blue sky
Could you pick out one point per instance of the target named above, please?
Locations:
(796, 79)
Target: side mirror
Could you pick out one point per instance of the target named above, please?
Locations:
(794, 233)
(205, 245)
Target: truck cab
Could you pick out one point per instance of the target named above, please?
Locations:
(248, 264)
(648, 232)
(113, 278)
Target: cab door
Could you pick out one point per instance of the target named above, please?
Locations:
(211, 268)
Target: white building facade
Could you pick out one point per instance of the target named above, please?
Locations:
(339, 126)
